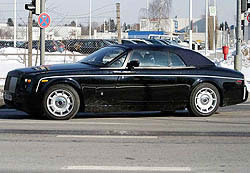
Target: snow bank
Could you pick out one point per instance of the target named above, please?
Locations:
(229, 63)
(9, 60)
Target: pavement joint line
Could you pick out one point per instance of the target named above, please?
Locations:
(75, 123)
(107, 137)
(244, 104)
(129, 168)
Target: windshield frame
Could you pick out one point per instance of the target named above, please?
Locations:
(102, 55)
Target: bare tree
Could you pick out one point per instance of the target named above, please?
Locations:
(159, 9)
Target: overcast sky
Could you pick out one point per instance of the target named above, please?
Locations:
(62, 10)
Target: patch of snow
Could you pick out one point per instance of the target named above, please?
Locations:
(10, 60)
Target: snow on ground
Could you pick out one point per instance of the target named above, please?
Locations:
(229, 63)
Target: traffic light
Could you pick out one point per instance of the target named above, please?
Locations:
(244, 6)
(34, 6)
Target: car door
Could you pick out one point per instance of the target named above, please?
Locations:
(100, 84)
(155, 81)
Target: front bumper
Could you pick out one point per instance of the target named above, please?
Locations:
(22, 101)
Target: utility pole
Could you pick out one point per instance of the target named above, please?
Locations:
(14, 23)
(90, 19)
(237, 59)
(215, 53)
(42, 37)
(104, 26)
(118, 13)
(30, 22)
(206, 39)
(190, 23)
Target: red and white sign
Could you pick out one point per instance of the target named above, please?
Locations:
(44, 20)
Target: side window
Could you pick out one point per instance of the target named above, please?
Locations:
(176, 61)
(151, 58)
(119, 62)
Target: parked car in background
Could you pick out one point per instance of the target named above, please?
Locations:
(126, 77)
(141, 41)
(5, 44)
(156, 42)
(88, 46)
(128, 41)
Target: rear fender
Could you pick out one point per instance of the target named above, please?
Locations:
(218, 85)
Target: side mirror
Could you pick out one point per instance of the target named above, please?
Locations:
(132, 64)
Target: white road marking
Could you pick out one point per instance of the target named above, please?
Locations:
(107, 137)
(129, 168)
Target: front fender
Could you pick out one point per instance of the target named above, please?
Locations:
(68, 81)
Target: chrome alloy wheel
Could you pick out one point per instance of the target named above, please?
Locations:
(60, 103)
(205, 100)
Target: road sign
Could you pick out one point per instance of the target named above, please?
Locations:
(212, 10)
(44, 20)
(248, 18)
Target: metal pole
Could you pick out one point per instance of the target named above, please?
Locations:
(14, 23)
(215, 53)
(118, 13)
(30, 39)
(90, 19)
(190, 24)
(206, 39)
(147, 15)
(42, 37)
(237, 60)
(76, 28)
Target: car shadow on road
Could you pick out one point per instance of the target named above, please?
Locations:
(14, 114)
(132, 114)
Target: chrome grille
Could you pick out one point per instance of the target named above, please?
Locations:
(12, 84)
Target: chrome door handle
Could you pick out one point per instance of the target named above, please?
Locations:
(123, 72)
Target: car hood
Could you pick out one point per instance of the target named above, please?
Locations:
(57, 67)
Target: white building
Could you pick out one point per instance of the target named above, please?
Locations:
(109, 35)
(172, 25)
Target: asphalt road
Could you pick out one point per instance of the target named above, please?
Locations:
(127, 142)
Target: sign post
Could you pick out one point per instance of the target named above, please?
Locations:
(212, 10)
(42, 33)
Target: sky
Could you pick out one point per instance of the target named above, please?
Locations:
(63, 11)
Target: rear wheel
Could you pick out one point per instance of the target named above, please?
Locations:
(204, 100)
(61, 102)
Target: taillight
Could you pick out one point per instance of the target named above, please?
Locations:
(239, 82)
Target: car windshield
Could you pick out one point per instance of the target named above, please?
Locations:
(103, 56)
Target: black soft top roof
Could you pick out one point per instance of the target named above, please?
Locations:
(191, 58)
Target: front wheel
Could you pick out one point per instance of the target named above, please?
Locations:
(61, 102)
(204, 100)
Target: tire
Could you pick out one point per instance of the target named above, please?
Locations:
(61, 102)
(204, 100)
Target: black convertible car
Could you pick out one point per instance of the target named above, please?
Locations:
(126, 78)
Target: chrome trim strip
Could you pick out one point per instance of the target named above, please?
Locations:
(244, 94)
(77, 76)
